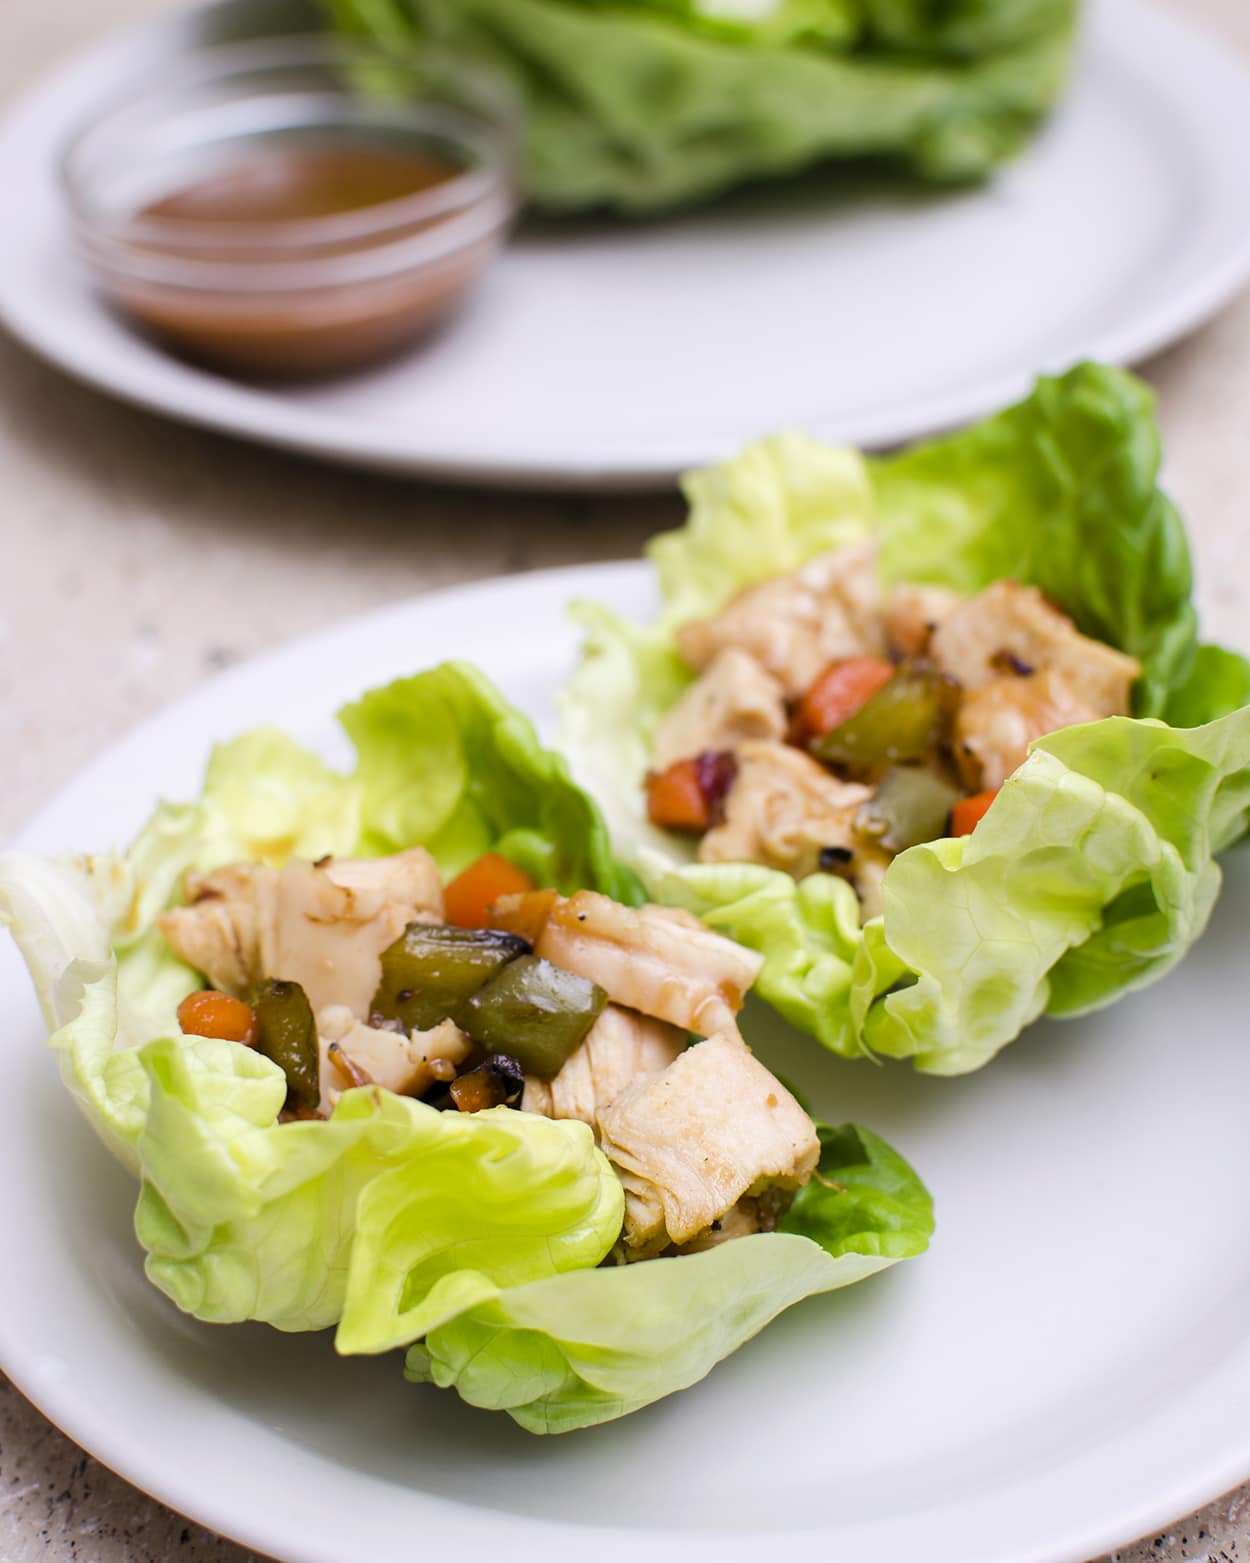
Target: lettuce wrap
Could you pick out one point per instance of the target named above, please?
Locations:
(1095, 869)
(643, 105)
(396, 1224)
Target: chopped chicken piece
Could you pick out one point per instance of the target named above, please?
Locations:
(750, 1215)
(742, 1221)
(355, 1054)
(410, 877)
(734, 699)
(912, 614)
(218, 930)
(326, 937)
(620, 1048)
(851, 574)
(323, 927)
(690, 1142)
(796, 625)
(783, 809)
(1009, 628)
(655, 959)
(997, 723)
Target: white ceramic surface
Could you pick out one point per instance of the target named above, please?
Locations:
(1068, 1367)
(601, 355)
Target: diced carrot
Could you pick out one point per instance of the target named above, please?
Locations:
(968, 813)
(675, 798)
(837, 694)
(525, 915)
(212, 1014)
(470, 895)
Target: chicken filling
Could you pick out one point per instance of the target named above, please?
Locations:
(835, 721)
(375, 974)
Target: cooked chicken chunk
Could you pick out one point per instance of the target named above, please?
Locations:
(218, 930)
(355, 1054)
(850, 573)
(323, 927)
(913, 613)
(997, 723)
(655, 959)
(411, 878)
(752, 1213)
(796, 625)
(742, 1221)
(690, 1142)
(620, 1047)
(329, 937)
(734, 699)
(782, 809)
(1011, 628)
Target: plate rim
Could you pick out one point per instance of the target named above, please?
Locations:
(474, 1529)
(309, 432)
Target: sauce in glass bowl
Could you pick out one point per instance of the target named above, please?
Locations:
(300, 186)
(295, 207)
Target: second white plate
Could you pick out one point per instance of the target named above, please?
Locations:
(611, 355)
(1067, 1367)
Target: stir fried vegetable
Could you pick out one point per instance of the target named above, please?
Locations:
(690, 794)
(208, 1013)
(534, 1011)
(838, 694)
(968, 813)
(498, 1081)
(470, 895)
(432, 968)
(910, 805)
(902, 723)
(675, 799)
(287, 1033)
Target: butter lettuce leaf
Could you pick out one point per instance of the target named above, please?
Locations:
(772, 508)
(1060, 492)
(649, 105)
(590, 1345)
(1092, 874)
(240, 1217)
(391, 1221)
(1095, 870)
(808, 931)
(444, 761)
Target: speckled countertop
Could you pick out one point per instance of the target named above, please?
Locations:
(137, 557)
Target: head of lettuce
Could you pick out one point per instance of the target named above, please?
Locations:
(1096, 867)
(646, 105)
(474, 1239)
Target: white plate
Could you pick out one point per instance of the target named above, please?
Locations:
(616, 356)
(1068, 1367)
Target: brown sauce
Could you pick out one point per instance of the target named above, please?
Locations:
(293, 185)
(320, 323)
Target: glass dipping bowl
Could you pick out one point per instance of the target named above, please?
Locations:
(292, 295)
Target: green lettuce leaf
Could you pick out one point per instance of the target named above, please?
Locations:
(648, 105)
(391, 1220)
(1218, 681)
(446, 762)
(830, 24)
(242, 1218)
(779, 503)
(1084, 881)
(590, 1345)
(808, 931)
(1092, 874)
(1060, 492)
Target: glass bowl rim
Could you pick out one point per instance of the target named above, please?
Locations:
(494, 106)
